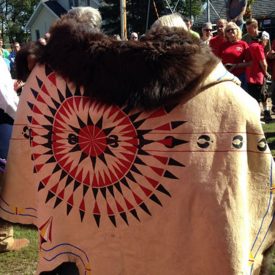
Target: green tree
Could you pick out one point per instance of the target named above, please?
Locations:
(137, 12)
(14, 16)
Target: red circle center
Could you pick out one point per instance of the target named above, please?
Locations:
(92, 140)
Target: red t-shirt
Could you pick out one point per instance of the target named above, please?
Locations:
(215, 44)
(254, 73)
(236, 52)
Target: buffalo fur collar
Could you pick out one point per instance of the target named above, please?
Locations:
(164, 67)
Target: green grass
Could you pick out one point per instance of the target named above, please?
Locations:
(24, 262)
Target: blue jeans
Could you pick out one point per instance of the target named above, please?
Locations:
(5, 135)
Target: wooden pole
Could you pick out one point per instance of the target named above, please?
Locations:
(123, 20)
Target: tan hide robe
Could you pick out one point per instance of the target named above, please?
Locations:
(179, 190)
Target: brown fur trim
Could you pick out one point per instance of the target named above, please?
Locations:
(163, 68)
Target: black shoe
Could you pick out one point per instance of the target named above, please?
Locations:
(273, 109)
(267, 116)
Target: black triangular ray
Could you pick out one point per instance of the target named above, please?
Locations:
(127, 109)
(161, 189)
(139, 161)
(57, 202)
(48, 145)
(49, 118)
(134, 213)
(56, 104)
(137, 124)
(155, 199)
(76, 130)
(76, 148)
(47, 136)
(61, 97)
(103, 191)
(68, 92)
(56, 168)
(111, 190)
(49, 196)
(97, 219)
(48, 70)
(76, 184)
(52, 110)
(134, 116)
(109, 152)
(169, 108)
(176, 124)
(142, 152)
(99, 123)
(142, 132)
(113, 220)
(77, 91)
(89, 120)
(69, 208)
(81, 123)
(107, 131)
(41, 186)
(82, 214)
(30, 105)
(34, 170)
(68, 180)
(34, 92)
(82, 157)
(39, 82)
(48, 127)
(143, 142)
(130, 176)
(124, 217)
(102, 157)
(124, 181)
(169, 175)
(95, 191)
(63, 175)
(85, 189)
(93, 159)
(50, 152)
(118, 187)
(51, 160)
(29, 119)
(174, 162)
(145, 208)
(134, 169)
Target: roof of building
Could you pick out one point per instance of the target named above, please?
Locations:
(260, 9)
(52, 6)
(56, 7)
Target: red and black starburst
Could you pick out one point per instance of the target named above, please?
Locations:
(102, 148)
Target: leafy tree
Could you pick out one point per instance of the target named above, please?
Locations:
(14, 16)
(137, 14)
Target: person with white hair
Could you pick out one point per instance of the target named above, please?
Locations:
(206, 33)
(173, 20)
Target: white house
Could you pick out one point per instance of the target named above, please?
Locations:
(46, 12)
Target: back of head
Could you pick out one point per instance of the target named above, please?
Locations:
(174, 20)
(86, 15)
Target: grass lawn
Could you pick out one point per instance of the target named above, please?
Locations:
(24, 262)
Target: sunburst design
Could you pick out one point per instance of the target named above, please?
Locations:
(100, 148)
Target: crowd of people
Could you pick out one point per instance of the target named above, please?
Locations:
(162, 134)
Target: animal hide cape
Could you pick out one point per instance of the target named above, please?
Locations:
(182, 188)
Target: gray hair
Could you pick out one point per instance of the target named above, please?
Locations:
(87, 15)
(172, 20)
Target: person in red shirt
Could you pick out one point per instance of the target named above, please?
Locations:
(234, 52)
(256, 73)
(216, 41)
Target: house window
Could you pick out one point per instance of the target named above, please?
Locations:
(37, 34)
(79, 3)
